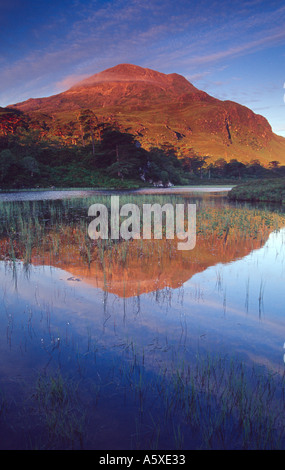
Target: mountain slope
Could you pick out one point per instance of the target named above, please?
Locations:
(165, 108)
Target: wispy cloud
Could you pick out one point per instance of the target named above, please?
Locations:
(69, 81)
(241, 49)
(183, 36)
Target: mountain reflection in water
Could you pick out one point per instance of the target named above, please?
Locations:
(129, 268)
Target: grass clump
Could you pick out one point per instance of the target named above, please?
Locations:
(216, 403)
(271, 190)
(60, 411)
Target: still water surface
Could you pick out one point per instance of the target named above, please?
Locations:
(107, 324)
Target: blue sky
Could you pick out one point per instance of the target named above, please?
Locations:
(233, 50)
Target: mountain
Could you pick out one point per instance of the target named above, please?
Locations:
(165, 108)
(125, 85)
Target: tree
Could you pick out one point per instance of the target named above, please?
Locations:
(234, 168)
(273, 165)
(120, 154)
(219, 166)
(255, 163)
(164, 176)
(7, 160)
(88, 125)
(161, 166)
(31, 165)
(255, 169)
(195, 164)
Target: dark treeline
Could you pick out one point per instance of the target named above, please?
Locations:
(234, 169)
(41, 152)
(117, 161)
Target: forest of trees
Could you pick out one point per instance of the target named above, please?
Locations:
(100, 155)
(41, 152)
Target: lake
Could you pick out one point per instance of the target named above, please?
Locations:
(135, 344)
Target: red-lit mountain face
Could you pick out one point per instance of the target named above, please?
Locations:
(163, 108)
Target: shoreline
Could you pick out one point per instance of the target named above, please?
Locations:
(270, 190)
(56, 193)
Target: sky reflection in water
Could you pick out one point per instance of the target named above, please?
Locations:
(235, 307)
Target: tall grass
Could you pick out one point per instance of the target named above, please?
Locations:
(51, 229)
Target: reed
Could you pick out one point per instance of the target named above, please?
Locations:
(61, 226)
(60, 411)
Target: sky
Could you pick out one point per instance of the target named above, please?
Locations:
(233, 50)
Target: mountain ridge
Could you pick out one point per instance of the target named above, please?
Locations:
(166, 108)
